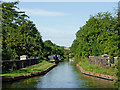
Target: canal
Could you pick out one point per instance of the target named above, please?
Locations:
(65, 75)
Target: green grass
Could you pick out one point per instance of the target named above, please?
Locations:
(28, 70)
(94, 68)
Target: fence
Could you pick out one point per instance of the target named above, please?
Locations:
(17, 64)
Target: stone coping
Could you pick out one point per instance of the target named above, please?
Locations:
(103, 76)
(18, 77)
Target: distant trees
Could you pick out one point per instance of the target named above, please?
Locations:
(20, 35)
(98, 36)
(50, 48)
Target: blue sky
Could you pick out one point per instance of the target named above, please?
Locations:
(59, 21)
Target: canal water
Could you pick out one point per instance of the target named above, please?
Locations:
(64, 75)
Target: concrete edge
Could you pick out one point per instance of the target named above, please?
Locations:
(102, 76)
(10, 79)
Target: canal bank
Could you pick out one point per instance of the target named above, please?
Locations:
(36, 72)
(64, 75)
(107, 77)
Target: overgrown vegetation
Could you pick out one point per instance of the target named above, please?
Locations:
(21, 37)
(28, 70)
(117, 81)
(100, 35)
(94, 68)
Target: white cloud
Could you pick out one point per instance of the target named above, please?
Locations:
(41, 12)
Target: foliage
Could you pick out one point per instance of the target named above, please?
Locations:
(117, 81)
(94, 68)
(50, 48)
(29, 69)
(19, 35)
(98, 36)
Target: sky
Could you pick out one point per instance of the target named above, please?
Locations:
(59, 21)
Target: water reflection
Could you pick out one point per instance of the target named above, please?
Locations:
(23, 83)
(65, 75)
(94, 82)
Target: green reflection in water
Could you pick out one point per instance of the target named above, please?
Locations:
(78, 79)
(23, 83)
(94, 82)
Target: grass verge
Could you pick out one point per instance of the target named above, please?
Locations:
(94, 68)
(29, 69)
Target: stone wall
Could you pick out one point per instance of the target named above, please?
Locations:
(102, 61)
(99, 61)
(17, 64)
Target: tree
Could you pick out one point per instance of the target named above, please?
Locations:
(98, 36)
(20, 36)
(117, 81)
(50, 48)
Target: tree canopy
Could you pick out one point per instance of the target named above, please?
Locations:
(21, 37)
(51, 48)
(98, 36)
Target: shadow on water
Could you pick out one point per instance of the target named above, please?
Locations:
(65, 75)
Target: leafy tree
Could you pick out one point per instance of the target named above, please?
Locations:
(117, 81)
(19, 35)
(99, 36)
(51, 48)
